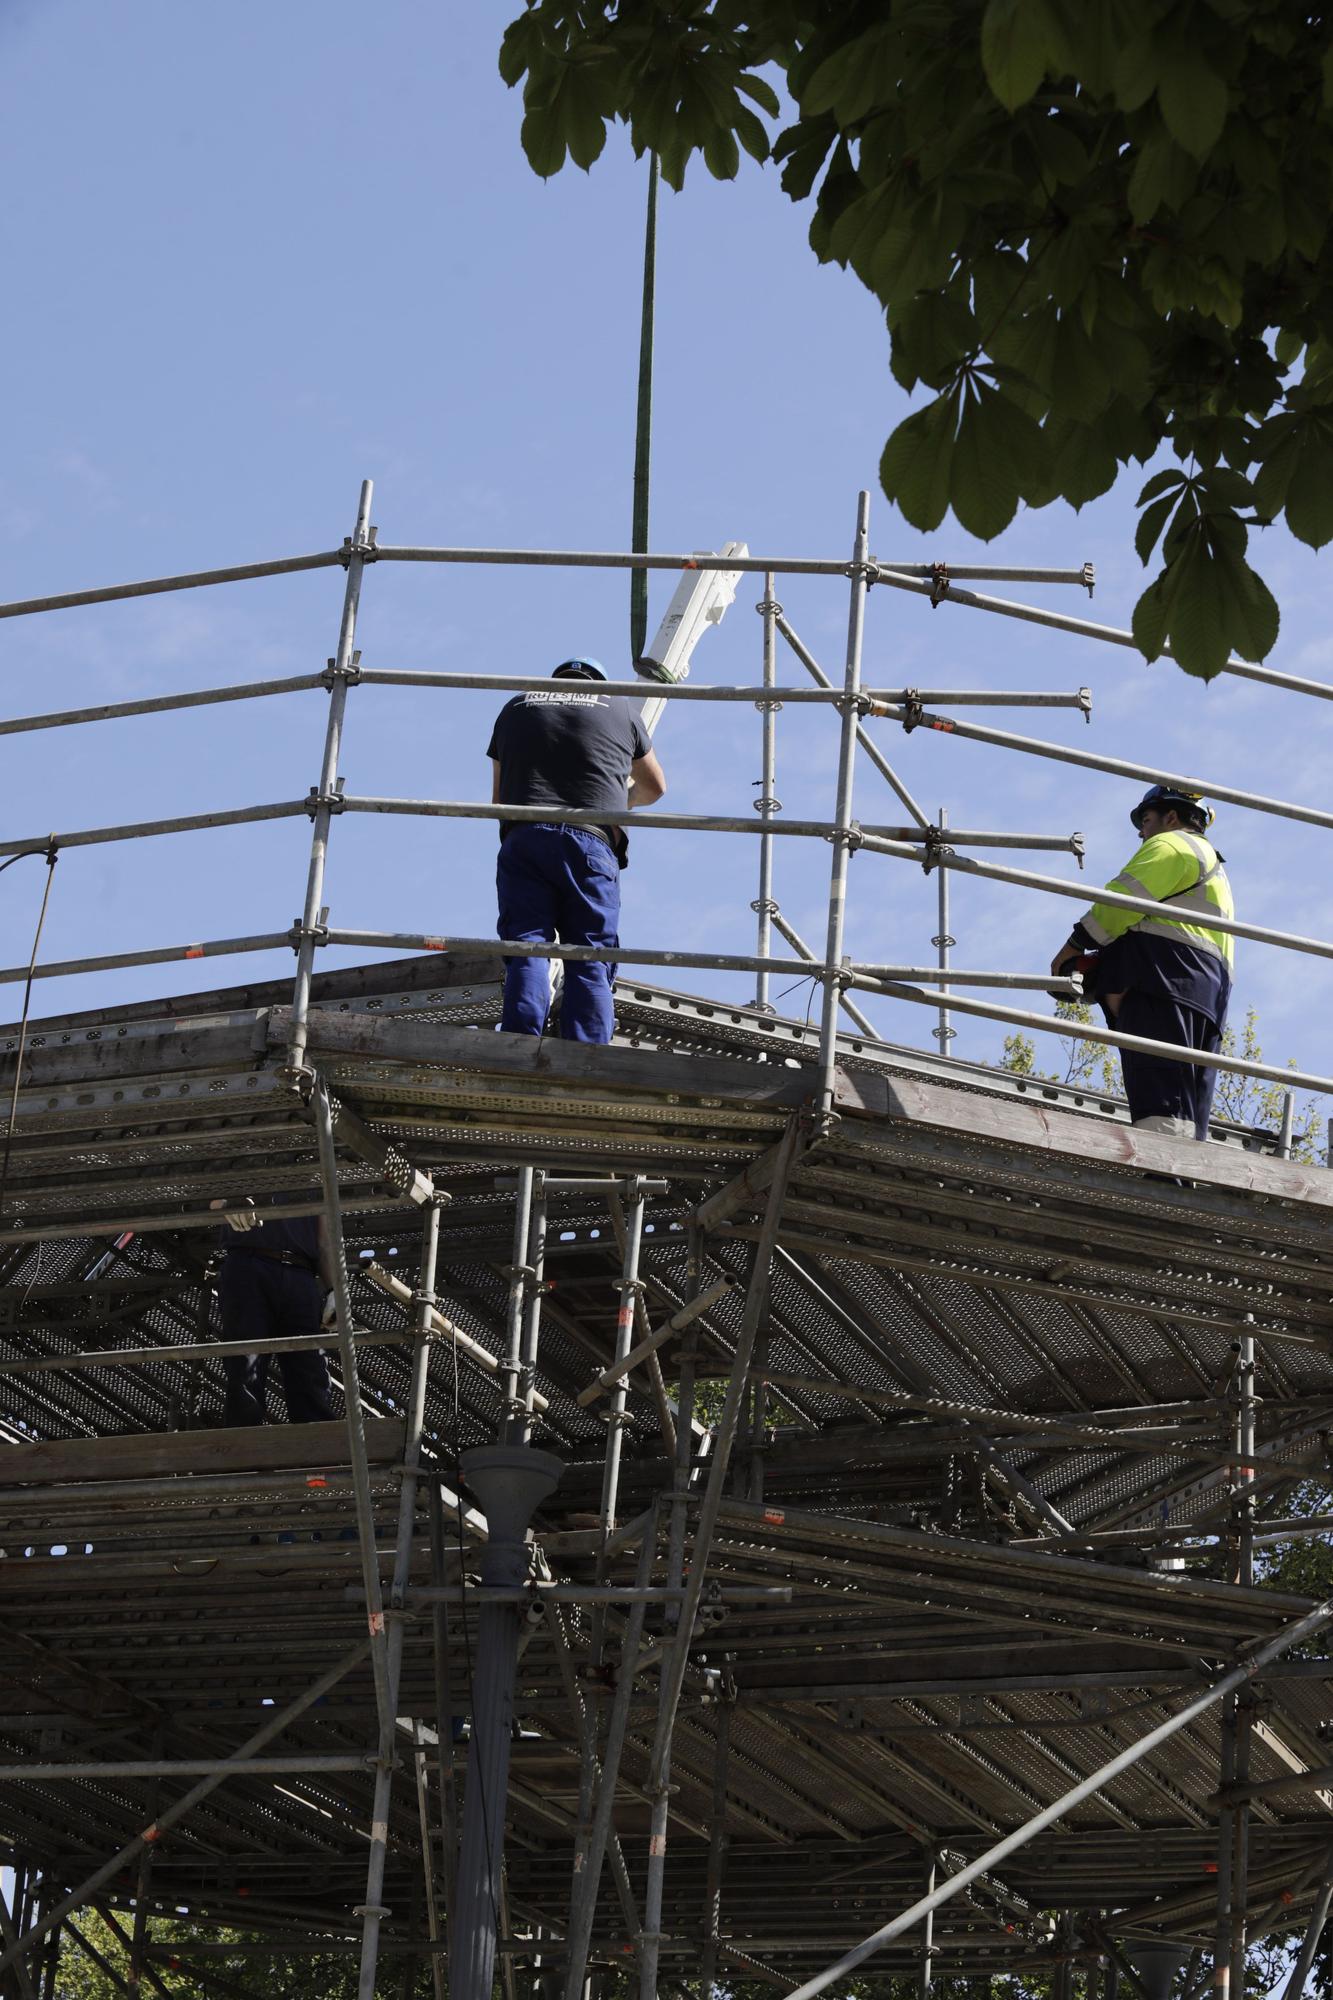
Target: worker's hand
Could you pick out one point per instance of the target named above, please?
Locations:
(239, 1219)
(329, 1316)
(1062, 958)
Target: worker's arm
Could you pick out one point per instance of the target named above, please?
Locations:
(495, 781)
(647, 780)
(329, 1315)
(1159, 869)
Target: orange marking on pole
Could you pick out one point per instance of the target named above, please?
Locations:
(774, 1516)
(317, 1482)
(193, 951)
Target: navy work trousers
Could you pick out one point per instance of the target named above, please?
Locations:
(1155, 1086)
(558, 882)
(262, 1299)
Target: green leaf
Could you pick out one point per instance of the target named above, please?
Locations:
(721, 155)
(1082, 463)
(1149, 620)
(999, 453)
(915, 468)
(1164, 177)
(763, 94)
(1295, 474)
(837, 73)
(1288, 347)
(1014, 49)
(1207, 603)
(1193, 99)
(1161, 482)
(542, 136)
(522, 39)
(751, 133)
(1151, 523)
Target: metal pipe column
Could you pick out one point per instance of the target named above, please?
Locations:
(1295, 1986)
(630, 1284)
(519, 1278)
(928, 1930)
(767, 803)
(324, 799)
(510, 1481)
(860, 572)
(944, 1034)
(717, 1853)
(354, 1412)
(1244, 1509)
(373, 1910)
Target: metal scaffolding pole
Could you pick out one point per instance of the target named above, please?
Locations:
(717, 1852)
(446, 1778)
(863, 736)
(842, 833)
(324, 801)
(767, 803)
(630, 1287)
(1295, 1986)
(353, 1406)
(372, 1910)
(1239, 1676)
(942, 941)
(676, 1662)
(520, 1277)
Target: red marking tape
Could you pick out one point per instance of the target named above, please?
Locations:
(436, 944)
(774, 1516)
(193, 951)
(317, 1482)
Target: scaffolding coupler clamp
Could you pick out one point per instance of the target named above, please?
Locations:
(331, 801)
(367, 549)
(1085, 703)
(914, 711)
(935, 844)
(939, 584)
(351, 673)
(300, 929)
(1089, 578)
(1077, 848)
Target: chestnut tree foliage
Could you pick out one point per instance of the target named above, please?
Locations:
(1097, 228)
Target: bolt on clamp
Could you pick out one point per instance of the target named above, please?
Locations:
(333, 800)
(939, 583)
(913, 708)
(351, 673)
(366, 549)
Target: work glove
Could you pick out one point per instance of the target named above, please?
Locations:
(329, 1316)
(239, 1219)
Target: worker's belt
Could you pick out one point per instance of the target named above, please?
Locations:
(292, 1257)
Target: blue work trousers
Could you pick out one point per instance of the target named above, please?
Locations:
(261, 1298)
(558, 882)
(1154, 1085)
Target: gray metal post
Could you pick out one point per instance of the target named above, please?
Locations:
(372, 1910)
(444, 1714)
(717, 1853)
(519, 1278)
(630, 1284)
(677, 1658)
(860, 571)
(322, 1110)
(437, 1965)
(510, 1481)
(1244, 1711)
(1288, 1121)
(325, 799)
(942, 941)
(532, 1312)
(1295, 1986)
(928, 1929)
(767, 803)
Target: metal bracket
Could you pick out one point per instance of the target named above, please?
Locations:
(1089, 578)
(935, 844)
(914, 712)
(939, 583)
(332, 800)
(366, 550)
(350, 673)
(768, 802)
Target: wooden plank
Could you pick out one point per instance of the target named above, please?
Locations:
(553, 1064)
(1095, 1142)
(259, 1448)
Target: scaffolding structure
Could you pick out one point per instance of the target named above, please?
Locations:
(800, 1499)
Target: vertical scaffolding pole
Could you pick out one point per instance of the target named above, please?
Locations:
(322, 1110)
(923, 1983)
(717, 1853)
(373, 1910)
(520, 1276)
(843, 838)
(1243, 1717)
(532, 1312)
(944, 1034)
(767, 802)
(1295, 1986)
(630, 1285)
(444, 1714)
(510, 1481)
(324, 802)
(677, 1658)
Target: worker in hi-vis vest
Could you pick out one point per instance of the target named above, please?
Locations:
(1166, 978)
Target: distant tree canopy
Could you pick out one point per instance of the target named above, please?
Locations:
(1096, 227)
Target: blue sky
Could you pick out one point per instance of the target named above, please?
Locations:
(257, 254)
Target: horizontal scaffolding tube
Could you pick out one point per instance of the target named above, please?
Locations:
(589, 1593)
(166, 954)
(744, 565)
(1085, 628)
(101, 836)
(202, 1350)
(1051, 885)
(1004, 739)
(159, 704)
(696, 691)
(189, 1767)
(196, 579)
(1087, 1788)
(705, 961)
(1018, 1017)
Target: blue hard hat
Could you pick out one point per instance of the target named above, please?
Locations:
(580, 670)
(1191, 807)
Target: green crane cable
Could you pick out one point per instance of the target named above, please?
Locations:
(643, 427)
